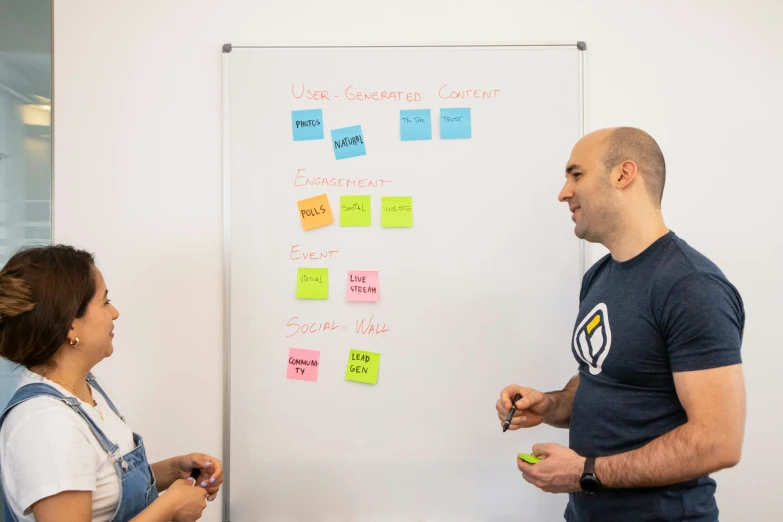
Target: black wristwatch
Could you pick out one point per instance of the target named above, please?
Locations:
(589, 482)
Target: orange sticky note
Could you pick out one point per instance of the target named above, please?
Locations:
(315, 212)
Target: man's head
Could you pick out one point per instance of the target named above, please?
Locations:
(613, 177)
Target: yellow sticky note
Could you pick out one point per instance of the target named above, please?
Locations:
(397, 211)
(315, 212)
(312, 283)
(362, 366)
(355, 211)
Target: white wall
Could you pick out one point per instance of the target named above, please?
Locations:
(138, 168)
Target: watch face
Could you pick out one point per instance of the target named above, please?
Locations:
(590, 484)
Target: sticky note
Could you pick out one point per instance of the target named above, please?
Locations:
(315, 212)
(312, 283)
(303, 364)
(348, 142)
(415, 125)
(454, 124)
(527, 457)
(396, 211)
(355, 211)
(307, 125)
(362, 286)
(362, 366)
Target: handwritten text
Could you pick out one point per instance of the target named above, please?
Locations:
(371, 328)
(305, 181)
(311, 328)
(297, 254)
(446, 93)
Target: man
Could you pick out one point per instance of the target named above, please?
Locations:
(659, 401)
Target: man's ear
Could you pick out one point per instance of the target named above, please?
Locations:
(625, 174)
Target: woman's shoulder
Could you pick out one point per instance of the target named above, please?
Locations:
(45, 448)
(43, 413)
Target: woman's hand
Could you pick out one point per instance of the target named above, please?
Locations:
(184, 501)
(210, 471)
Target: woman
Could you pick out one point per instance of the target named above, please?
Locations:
(66, 453)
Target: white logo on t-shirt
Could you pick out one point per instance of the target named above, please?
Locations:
(593, 338)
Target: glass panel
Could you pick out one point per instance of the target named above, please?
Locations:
(25, 137)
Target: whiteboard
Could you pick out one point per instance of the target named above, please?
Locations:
(479, 293)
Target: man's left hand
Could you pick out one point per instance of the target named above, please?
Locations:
(559, 470)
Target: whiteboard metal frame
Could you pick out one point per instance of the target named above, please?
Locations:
(226, 296)
(226, 50)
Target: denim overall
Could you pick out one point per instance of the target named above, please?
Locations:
(138, 488)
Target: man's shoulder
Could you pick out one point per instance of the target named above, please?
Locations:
(686, 279)
(690, 260)
(672, 262)
(679, 262)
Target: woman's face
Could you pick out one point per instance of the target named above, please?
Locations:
(95, 328)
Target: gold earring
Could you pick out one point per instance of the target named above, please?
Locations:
(74, 342)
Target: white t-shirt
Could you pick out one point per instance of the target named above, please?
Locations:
(47, 448)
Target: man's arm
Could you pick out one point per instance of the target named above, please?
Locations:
(559, 414)
(534, 408)
(711, 440)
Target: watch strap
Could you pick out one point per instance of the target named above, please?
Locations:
(589, 466)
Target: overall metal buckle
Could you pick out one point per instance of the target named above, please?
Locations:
(118, 458)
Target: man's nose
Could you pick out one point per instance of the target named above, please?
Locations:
(565, 193)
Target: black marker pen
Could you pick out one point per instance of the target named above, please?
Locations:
(512, 411)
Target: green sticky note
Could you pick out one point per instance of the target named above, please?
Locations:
(362, 366)
(397, 211)
(312, 283)
(355, 211)
(527, 457)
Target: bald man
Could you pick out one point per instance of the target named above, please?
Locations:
(658, 403)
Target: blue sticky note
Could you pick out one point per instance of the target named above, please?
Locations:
(415, 125)
(348, 142)
(454, 124)
(307, 125)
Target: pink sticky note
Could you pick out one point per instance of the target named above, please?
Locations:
(362, 286)
(303, 364)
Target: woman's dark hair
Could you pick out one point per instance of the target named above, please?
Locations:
(42, 290)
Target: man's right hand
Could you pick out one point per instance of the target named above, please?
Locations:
(531, 408)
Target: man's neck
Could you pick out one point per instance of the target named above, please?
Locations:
(636, 236)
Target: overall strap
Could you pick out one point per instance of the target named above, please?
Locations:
(94, 384)
(9, 517)
(30, 391)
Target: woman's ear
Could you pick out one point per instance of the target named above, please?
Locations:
(73, 337)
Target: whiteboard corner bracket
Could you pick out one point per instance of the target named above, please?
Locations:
(226, 48)
(582, 46)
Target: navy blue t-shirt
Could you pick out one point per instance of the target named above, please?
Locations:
(669, 309)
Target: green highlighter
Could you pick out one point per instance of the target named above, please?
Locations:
(527, 457)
